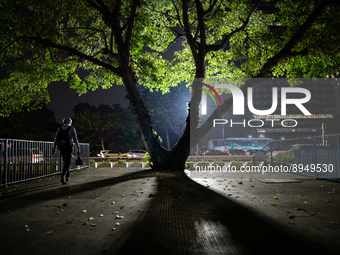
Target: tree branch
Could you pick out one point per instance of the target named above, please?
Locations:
(196, 35)
(118, 6)
(258, 45)
(95, 5)
(213, 15)
(111, 41)
(187, 30)
(211, 7)
(215, 47)
(178, 14)
(201, 28)
(299, 53)
(170, 44)
(131, 22)
(74, 52)
(15, 60)
(286, 51)
(166, 14)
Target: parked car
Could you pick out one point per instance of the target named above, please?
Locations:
(36, 155)
(258, 151)
(214, 152)
(33, 155)
(137, 153)
(125, 155)
(108, 153)
(236, 152)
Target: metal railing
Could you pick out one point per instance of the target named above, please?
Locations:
(317, 156)
(23, 160)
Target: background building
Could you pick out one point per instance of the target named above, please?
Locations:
(324, 106)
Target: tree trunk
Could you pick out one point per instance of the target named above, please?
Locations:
(167, 137)
(162, 159)
(102, 144)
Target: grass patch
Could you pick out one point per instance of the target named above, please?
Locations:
(285, 158)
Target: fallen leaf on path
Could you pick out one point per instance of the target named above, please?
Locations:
(300, 209)
(292, 223)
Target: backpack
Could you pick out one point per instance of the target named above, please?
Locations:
(62, 139)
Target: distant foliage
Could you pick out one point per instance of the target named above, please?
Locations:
(106, 127)
(285, 158)
(39, 125)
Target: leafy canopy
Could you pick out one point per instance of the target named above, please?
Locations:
(60, 40)
(45, 41)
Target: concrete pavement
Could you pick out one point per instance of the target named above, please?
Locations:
(139, 211)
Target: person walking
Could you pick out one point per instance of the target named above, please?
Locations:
(64, 139)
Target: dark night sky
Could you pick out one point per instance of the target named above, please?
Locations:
(63, 99)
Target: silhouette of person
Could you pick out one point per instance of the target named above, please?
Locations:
(64, 139)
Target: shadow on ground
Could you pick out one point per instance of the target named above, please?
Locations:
(183, 217)
(38, 193)
(187, 218)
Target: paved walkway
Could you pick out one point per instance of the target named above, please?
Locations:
(134, 211)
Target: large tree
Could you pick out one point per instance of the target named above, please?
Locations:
(220, 34)
(123, 42)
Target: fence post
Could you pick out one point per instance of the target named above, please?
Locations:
(5, 162)
(315, 151)
(271, 154)
(61, 163)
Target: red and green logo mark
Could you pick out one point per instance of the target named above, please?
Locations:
(209, 93)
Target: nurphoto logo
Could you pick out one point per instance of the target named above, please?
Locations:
(239, 102)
